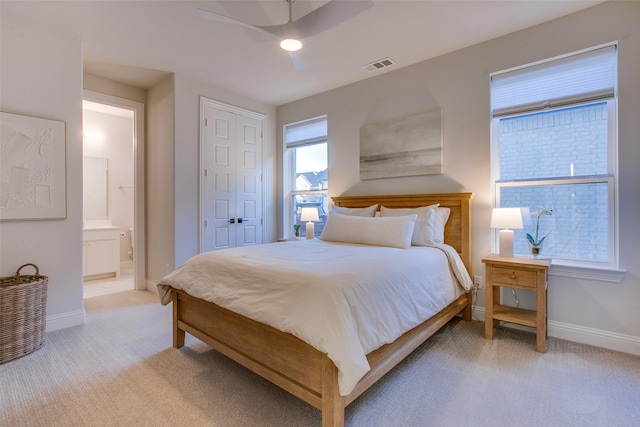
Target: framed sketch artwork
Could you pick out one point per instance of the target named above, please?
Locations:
(406, 146)
(32, 168)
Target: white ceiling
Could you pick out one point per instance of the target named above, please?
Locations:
(140, 42)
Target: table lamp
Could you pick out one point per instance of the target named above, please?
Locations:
(506, 219)
(309, 215)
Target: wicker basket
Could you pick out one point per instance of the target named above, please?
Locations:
(23, 312)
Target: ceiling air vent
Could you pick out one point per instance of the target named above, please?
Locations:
(378, 65)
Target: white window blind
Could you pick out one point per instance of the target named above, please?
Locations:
(306, 133)
(583, 77)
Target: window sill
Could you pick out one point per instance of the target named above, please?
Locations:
(589, 272)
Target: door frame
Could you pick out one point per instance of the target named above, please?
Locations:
(208, 102)
(139, 275)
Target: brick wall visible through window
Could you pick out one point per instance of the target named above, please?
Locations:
(571, 142)
(568, 142)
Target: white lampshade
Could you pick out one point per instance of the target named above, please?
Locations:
(506, 219)
(310, 215)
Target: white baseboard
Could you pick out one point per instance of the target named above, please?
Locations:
(596, 337)
(79, 317)
(581, 334)
(66, 320)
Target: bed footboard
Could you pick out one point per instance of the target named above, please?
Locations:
(278, 357)
(289, 362)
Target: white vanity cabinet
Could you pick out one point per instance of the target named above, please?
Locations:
(101, 252)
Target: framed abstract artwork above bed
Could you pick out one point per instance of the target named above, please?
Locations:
(406, 146)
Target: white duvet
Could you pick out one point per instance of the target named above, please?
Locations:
(345, 300)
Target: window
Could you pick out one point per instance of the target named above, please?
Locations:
(306, 182)
(554, 145)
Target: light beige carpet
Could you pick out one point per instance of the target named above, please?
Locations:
(120, 370)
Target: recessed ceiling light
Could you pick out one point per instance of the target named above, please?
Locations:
(291, 45)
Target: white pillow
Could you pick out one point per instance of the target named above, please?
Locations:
(393, 232)
(433, 231)
(369, 211)
(421, 222)
(430, 223)
(442, 217)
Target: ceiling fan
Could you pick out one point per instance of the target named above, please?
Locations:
(291, 33)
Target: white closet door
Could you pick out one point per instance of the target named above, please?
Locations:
(249, 181)
(219, 179)
(231, 193)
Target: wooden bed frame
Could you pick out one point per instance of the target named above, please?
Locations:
(293, 364)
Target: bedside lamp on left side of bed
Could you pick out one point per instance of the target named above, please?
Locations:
(309, 215)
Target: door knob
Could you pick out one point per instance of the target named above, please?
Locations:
(239, 220)
(232, 220)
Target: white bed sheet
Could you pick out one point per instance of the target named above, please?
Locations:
(343, 299)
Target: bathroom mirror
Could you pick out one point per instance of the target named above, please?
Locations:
(95, 173)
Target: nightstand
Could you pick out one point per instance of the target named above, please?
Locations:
(518, 272)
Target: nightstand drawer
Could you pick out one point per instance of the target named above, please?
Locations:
(512, 276)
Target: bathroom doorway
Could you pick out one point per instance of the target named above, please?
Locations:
(113, 194)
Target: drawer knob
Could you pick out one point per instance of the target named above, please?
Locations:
(513, 275)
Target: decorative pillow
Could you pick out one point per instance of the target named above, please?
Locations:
(433, 231)
(443, 217)
(369, 211)
(394, 232)
(430, 223)
(422, 213)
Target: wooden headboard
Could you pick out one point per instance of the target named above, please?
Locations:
(457, 232)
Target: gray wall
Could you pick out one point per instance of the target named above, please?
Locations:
(113, 88)
(42, 77)
(160, 177)
(581, 309)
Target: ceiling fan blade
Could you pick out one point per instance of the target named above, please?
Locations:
(323, 18)
(221, 18)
